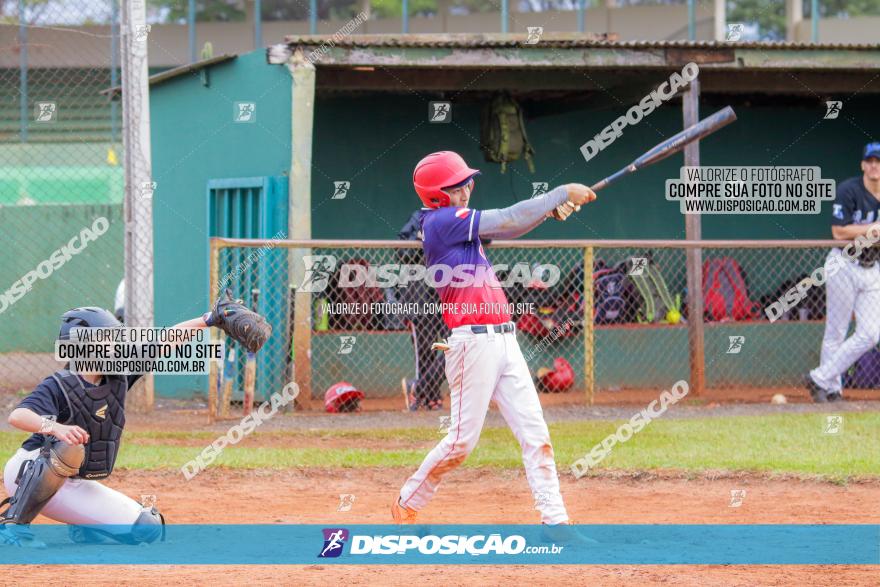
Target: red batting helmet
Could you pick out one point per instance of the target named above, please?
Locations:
(342, 397)
(437, 171)
(559, 379)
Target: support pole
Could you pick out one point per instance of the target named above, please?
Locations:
(313, 17)
(191, 21)
(22, 73)
(258, 24)
(582, 16)
(505, 15)
(404, 17)
(114, 66)
(299, 223)
(814, 21)
(589, 328)
(794, 15)
(694, 256)
(137, 206)
(692, 20)
(720, 19)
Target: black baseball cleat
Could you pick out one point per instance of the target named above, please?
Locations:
(834, 396)
(819, 395)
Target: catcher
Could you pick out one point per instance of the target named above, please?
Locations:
(76, 423)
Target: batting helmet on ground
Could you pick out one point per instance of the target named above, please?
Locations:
(444, 169)
(89, 317)
(342, 397)
(559, 379)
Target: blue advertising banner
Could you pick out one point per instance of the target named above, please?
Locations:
(792, 544)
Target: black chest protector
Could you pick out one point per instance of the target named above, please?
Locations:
(100, 411)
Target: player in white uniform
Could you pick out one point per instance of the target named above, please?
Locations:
(853, 285)
(484, 361)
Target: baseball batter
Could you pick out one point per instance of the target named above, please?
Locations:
(76, 423)
(483, 361)
(854, 288)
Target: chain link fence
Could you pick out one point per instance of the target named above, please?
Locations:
(61, 179)
(369, 329)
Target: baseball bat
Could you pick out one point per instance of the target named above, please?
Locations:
(250, 367)
(673, 144)
(228, 377)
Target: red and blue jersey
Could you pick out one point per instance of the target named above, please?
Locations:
(468, 289)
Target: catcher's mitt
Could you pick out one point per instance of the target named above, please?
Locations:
(239, 323)
(869, 256)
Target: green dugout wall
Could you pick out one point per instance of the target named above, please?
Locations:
(373, 138)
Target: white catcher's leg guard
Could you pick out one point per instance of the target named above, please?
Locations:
(40, 479)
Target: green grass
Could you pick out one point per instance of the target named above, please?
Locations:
(787, 444)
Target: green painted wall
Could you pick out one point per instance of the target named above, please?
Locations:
(375, 142)
(195, 139)
(89, 278)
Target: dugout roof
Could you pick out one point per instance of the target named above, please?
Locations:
(577, 62)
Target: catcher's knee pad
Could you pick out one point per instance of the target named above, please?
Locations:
(148, 527)
(40, 479)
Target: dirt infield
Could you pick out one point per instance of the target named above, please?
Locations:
(312, 496)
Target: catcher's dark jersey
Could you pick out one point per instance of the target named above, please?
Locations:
(47, 399)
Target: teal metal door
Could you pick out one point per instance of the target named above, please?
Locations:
(255, 208)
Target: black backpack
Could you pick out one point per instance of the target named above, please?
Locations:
(613, 295)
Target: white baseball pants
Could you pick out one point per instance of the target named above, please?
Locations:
(850, 288)
(79, 501)
(483, 367)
